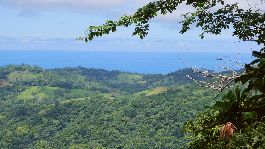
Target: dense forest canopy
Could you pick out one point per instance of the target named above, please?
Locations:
(244, 104)
(94, 108)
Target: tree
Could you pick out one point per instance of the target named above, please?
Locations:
(248, 24)
(244, 105)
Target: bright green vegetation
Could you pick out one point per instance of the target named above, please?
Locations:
(46, 92)
(128, 78)
(23, 76)
(31, 93)
(82, 108)
(242, 105)
(154, 91)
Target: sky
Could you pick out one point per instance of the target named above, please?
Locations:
(54, 25)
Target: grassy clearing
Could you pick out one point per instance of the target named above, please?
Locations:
(23, 76)
(75, 100)
(46, 92)
(32, 93)
(154, 91)
(128, 78)
(50, 91)
(157, 90)
(79, 92)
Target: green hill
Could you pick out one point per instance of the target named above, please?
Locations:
(94, 108)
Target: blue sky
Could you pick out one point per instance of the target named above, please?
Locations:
(54, 25)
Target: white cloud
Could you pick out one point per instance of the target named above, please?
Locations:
(103, 6)
(61, 4)
(246, 4)
(182, 9)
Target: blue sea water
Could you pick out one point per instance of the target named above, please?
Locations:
(140, 62)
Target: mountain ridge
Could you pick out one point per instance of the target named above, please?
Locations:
(82, 108)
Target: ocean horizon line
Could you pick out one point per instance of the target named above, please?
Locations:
(139, 62)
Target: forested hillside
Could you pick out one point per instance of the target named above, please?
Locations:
(237, 120)
(94, 108)
(81, 107)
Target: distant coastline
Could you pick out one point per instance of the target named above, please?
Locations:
(139, 62)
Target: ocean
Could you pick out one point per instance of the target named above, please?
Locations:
(139, 62)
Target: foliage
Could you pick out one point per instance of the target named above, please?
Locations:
(247, 24)
(244, 105)
(50, 116)
(138, 114)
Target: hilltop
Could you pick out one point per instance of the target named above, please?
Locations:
(87, 107)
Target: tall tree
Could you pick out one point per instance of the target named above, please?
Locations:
(244, 105)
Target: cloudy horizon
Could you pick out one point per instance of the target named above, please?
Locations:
(55, 24)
